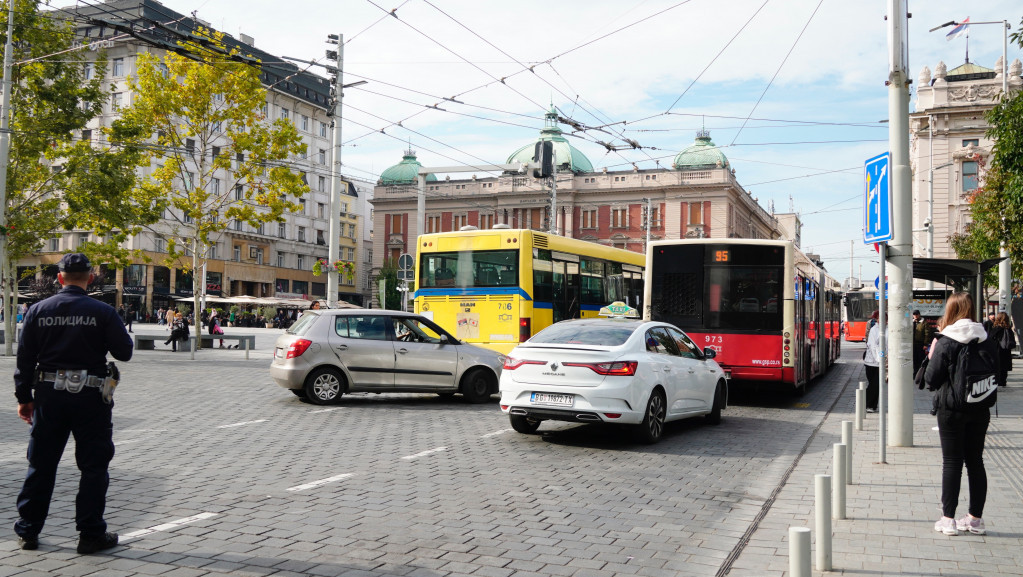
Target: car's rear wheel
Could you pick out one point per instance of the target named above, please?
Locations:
(652, 427)
(714, 416)
(477, 386)
(523, 424)
(324, 386)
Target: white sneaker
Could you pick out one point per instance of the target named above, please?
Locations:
(971, 524)
(947, 526)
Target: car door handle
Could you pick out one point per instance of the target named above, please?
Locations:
(342, 347)
(402, 351)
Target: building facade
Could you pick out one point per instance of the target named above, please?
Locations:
(698, 196)
(948, 147)
(275, 259)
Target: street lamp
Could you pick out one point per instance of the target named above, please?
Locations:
(1004, 267)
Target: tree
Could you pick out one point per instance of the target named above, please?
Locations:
(996, 208)
(217, 159)
(57, 179)
(389, 272)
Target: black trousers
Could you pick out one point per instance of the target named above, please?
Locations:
(962, 442)
(59, 414)
(873, 390)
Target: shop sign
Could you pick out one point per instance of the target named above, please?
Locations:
(134, 290)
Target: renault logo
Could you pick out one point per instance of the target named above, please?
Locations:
(554, 366)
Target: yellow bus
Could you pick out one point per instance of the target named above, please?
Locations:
(498, 287)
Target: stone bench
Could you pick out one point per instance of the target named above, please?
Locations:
(2, 336)
(148, 342)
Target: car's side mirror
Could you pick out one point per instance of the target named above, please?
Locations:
(444, 339)
(709, 352)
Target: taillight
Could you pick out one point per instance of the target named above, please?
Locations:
(298, 347)
(617, 368)
(524, 330)
(511, 363)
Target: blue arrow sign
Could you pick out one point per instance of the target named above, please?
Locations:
(877, 205)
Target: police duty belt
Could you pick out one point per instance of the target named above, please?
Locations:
(71, 380)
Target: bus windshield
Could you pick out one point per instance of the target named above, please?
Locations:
(859, 306)
(469, 269)
(724, 287)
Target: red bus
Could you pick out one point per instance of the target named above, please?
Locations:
(768, 311)
(859, 305)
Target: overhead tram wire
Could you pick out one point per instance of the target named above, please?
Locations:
(392, 13)
(716, 56)
(780, 66)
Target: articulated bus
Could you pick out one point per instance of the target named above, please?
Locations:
(769, 312)
(859, 305)
(498, 287)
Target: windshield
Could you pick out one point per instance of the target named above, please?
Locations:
(303, 323)
(569, 333)
(859, 307)
(469, 269)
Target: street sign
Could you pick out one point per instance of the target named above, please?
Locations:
(406, 261)
(877, 205)
(407, 275)
(877, 285)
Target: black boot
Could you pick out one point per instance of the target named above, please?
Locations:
(92, 544)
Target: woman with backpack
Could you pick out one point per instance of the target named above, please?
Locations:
(962, 423)
(1001, 332)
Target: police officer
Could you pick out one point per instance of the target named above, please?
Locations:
(62, 357)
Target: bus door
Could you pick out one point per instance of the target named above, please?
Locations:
(566, 290)
(799, 332)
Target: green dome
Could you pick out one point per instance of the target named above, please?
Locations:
(405, 172)
(701, 155)
(567, 156)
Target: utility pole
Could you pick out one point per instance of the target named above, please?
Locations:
(900, 251)
(554, 189)
(334, 222)
(9, 293)
(649, 223)
(1004, 267)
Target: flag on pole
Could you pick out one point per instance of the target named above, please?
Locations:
(959, 30)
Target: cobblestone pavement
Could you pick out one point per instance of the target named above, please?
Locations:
(219, 471)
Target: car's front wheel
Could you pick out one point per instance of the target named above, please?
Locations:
(652, 427)
(477, 386)
(324, 386)
(523, 424)
(714, 416)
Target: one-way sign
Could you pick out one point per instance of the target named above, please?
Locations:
(877, 205)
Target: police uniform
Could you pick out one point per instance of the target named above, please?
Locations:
(69, 331)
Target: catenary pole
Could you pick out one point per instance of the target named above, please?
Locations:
(5, 150)
(334, 230)
(900, 250)
(1004, 267)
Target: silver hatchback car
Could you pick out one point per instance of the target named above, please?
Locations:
(328, 353)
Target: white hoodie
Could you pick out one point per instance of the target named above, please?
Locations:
(964, 331)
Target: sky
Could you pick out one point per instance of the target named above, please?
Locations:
(792, 90)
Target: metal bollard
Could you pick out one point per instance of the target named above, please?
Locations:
(246, 349)
(822, 514)
(861, 408)
(847, 435)
(863, 385)
(838, 487)
(799, 552)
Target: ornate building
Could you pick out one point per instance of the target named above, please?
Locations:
(948, 147)
(698, 196)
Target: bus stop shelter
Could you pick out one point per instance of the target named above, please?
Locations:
(961, 275)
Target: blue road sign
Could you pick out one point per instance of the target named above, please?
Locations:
(877, 200)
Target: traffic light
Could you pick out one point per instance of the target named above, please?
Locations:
(544, 154)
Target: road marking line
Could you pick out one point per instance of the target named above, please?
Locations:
(424, 453)
(241, 423)
(320, 482)
(496, 433)
(325, 410)
(165, 526)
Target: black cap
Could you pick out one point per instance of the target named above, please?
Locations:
(74, 262)
(916, 312)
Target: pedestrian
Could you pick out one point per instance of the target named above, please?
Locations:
(215, 327)
(129, 315)
(62, 359)
(989, 323)
(872, 365)
(1001, 333)
(922, 335)
(179, 331)
(159, 316)
(962, 432)
(171, 314)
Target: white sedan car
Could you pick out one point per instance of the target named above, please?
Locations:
(612, 371)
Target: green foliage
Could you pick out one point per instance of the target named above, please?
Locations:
(55, 181)
(192, 107)
(996, 208)
(392, 297)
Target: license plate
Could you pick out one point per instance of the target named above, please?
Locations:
(278, 353)
(551, 399)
